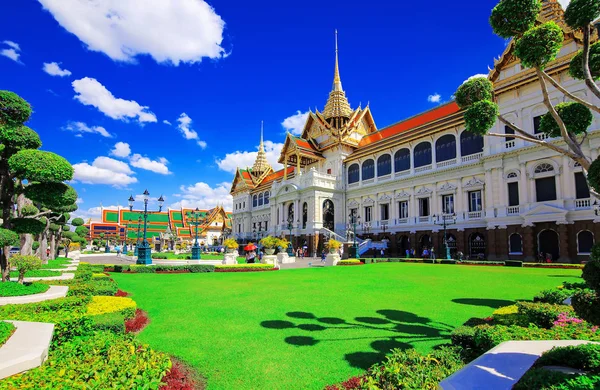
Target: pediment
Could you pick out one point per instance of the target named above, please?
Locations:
(545, 209)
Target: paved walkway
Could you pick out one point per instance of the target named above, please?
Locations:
(106, 259)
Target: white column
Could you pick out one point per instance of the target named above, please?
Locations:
(523, 190)
(489, 194)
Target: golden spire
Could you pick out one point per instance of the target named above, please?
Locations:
(261, 164)
(337, 105)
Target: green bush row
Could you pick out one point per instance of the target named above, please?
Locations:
(349, 261)
(6, 330)
(540, 314)
(14, 289)
(145, 269)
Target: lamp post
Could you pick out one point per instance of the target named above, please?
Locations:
(125, 241)
(354, 219)
(144, 250)
(137, 241)
(290, 220)
(106, 246)
(442, 221)
(196, 250)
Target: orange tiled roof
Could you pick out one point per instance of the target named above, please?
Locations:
(411, 123)
(276, 175)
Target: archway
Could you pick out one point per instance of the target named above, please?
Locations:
(477, 246)
(424, 242)
(328, 213)
(403, 245)
(548, 243)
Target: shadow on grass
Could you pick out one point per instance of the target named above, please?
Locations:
(493, 303)
(564, 276)
(404, 328)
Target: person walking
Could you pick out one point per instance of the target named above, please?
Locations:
(432, 253)
(323, 256)
(118, 249)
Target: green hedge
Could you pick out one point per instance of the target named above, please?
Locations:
(349, 262)
(149, 269)
(6, 330)
(114, 322)
(103, 360)
(553, 295)
(243, 267)
(36, 273)
(513, 263)
(14, 289)
(541, 314)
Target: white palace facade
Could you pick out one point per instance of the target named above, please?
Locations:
(509, 198)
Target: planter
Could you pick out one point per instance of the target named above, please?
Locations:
(269, 251)
(229, 250)
(333, 251)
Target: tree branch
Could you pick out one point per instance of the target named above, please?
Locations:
(586, 66)
(534, 140)
(517, 129)
(568, 94)
(39, 214)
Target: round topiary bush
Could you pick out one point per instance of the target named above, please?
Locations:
(16, 138)
(539, 45)
(29, 210)
(473, 90)
(51, 195)
(576, 117)
(594, 177)
(591, 274)
(27, 225)
(576, 65)
(481, 117)
(40, 166)
(580, 13)
(513, 17)
(586, 304)
(77, 222)
(14, 110)
(8, 238)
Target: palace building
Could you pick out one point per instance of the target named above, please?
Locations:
(164, 229)
(502, 197)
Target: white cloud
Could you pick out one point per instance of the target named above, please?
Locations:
(92, 174)
(168, 31)
(79, 201)
(295, 123)
(80, 127)
(121, 149)
(166, 122)
(90, 92)
(243, 159)
(475, 76)
(112, 165)
(186, 130)
(13, 52)
(435, 98)
(156, 166)
(564, 3)
(12, 44)
(203, 196)
(54, 69)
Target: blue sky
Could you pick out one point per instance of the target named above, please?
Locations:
(181, 86)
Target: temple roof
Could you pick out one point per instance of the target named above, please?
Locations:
(337, 105)
(261, 165)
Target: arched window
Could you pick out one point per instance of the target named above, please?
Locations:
(260, 199)
(304, 215)
(545, 182)
(402, 160)
(290, 213)
(353, 174)
(254, 201)
(515, 244)
(384, 165)
(470, 143)
(511, 175)
(422, 154)
(368, 169)
(543, 167)
(445, 148)
(267, 194)
(585, 241)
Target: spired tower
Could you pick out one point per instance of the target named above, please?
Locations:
(261, 166)
(337, 109)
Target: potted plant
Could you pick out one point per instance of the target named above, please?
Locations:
(282, 244)
(269, 243)
(334, 245)
(230, 245)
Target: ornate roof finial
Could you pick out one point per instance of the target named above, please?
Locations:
(337, 81)
(261, 164)
(337, 105)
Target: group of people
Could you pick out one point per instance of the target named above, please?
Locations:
(544, 257)
(425, 254)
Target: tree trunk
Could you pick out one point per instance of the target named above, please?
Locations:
(26, 243)
(20, 279)
(52, 246)
(44, 243)
(5, 263)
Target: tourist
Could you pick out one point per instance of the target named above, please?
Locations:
(118, 249)
(323, 257)
(432, 254)
(425, 253)
(407, 253)
(382, 252)
(541, 257)
(548, 257)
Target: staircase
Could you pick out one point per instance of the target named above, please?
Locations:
(363, 245)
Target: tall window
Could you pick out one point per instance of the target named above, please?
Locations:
(470, 143)
(515, 244)
(254, 200)
(536, 124)
(260, 199)
(403, 209)
(266, 226)
(384, 211)
(509, 130)
(445, 148)
(448, 204)
(582, 191)
(585, 241)
(368, 169)
(384, 165)
(368, 213)
(267, 197)
(545, 187)
(423, 207)
(513, 194)
(353, 173)
(304, 214)
(475, 203)
(402, 160)
(355, 213)
(422, 154)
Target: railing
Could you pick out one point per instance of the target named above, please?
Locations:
(446, 163)
(424, 219)
(583, 203)
(423, 168)
(510, 144)
(512, 210)
(541, 136)
(472, 157)
(402, 173)
(474, 214)
(402, 220)
(335, 235)
(384, 177)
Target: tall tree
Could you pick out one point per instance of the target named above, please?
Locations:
(537, 44)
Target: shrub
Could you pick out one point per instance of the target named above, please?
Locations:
(243, 267)
(506, 315)
(513, 263)
(580, 13)
(576, 117)
(101, 276)
(554, 295)
(586, 303)
(103, 305)
(12, 289)
(196, 268)
(121, 268)
(513, 17)
(591, 274)
(103, 360)
(42, 166)
(24, 264)
(6, 330)
(334, 245)
(37, 273)
(142, 269)
(137, 323)
(349, 262)
(411, 370)
(582, 357)
(230, 243)
(113, 322)
(576, 65)
(474, 90)
(543, 379)
(541, 314)
(539, 45)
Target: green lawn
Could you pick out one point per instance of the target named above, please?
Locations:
(204, 256)
(59, 262)
(306, 328)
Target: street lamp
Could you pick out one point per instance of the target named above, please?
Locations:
(290, 220)
(442, 221)
(196, 247)
(354, 219)
(144, 251)
(137, 241)
(125, 242)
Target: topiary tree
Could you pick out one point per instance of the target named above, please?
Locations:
(8, 238)
(586, 302)
(24, 264)
(536, 46)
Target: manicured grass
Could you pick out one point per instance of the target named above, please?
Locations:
(6, 330)
(14, 289)
(57, 263)
(306, 328)
(38, 273)
(183, 256)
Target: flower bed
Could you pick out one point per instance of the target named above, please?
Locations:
(104, 305)
(14, 289)
(245, 268)
(139, 269)
(180, 377)
(138, 322)
(350, 262)
(6, 330)
(38, 273)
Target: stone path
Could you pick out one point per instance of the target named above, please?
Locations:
(27, 348)
(64, 276)
(53, 292)
(106, 259)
